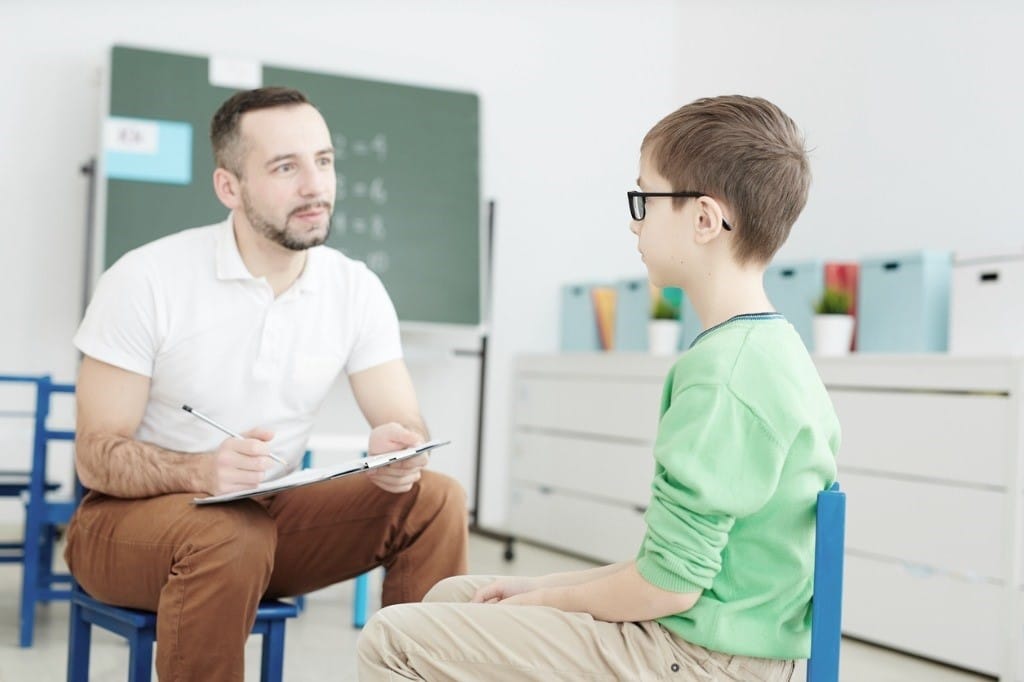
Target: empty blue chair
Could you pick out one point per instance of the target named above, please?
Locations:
(43, 513)
(139, 628)
(827, 601)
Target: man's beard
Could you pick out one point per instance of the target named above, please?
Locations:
(280, 234)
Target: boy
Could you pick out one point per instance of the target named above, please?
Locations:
(721, 586)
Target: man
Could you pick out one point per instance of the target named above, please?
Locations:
(249, 321)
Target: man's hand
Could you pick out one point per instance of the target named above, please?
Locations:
(400, 476)
(238, 463)
(504, 588)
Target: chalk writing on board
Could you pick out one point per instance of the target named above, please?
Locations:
(375, 147)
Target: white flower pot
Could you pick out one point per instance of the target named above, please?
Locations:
(833, 334)
(663, 337)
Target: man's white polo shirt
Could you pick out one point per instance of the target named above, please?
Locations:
(186, 312)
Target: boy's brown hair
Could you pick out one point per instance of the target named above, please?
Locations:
(743, 151)
(225, 131)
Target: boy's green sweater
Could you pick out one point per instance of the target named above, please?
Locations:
(747, 439)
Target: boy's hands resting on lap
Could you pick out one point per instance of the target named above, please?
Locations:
(505, 588)
(400, 476)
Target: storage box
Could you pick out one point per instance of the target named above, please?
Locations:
(987, 305)
(691, 324)
(903, 303)
(794, 288)
(578, 322)
(632, 312)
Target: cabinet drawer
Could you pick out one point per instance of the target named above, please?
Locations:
(945, 527)
(622, 408)
(614, 470)
(935, 616)
(604, 532)
(962, 438)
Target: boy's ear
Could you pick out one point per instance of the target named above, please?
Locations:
(707, 220)
(227, 187)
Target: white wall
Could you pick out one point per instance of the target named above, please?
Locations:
(567, 90)
(914, 110)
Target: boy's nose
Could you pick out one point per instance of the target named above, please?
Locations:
(634, 227)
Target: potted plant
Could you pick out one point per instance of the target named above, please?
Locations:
(663, 328)
(833, 323)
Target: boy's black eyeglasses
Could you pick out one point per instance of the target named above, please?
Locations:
(638, 202)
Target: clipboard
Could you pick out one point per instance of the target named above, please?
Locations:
(303, 477)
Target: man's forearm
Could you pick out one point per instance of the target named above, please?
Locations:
(123, 467)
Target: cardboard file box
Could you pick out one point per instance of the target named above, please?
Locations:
(794, 288)
(903, 303)
(987, 308)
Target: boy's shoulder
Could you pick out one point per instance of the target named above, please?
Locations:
(750, 348)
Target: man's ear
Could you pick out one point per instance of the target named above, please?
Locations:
(227, 187)
(707, 220)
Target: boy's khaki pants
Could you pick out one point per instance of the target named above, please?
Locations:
(449, 639)
(203, 569)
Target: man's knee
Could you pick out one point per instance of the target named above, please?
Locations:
(443, 493)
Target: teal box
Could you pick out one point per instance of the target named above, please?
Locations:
(903, 303)
(794, 288)
(579, 323)
(632, 312)
(691, 325)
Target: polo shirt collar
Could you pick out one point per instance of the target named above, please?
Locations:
(231, 266)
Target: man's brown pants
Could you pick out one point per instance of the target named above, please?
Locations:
(203, 569)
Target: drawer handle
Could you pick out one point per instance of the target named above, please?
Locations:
(892, 265)
(989, 277)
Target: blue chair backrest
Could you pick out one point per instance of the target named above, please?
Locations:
(827, 602)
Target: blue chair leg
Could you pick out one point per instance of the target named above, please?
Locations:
(360, 606)
(272, 665)
(46, 559)
(30, 582)
(140, 657)
(79, 642)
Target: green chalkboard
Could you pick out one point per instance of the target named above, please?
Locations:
(408, 200)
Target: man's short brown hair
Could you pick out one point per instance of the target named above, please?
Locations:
(743, 151)
(225, 129)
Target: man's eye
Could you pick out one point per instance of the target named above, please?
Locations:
(284, 168)
(326, 161)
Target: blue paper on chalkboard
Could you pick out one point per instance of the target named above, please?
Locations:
(147, 150)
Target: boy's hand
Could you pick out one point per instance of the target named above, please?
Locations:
(400, 476)
(531, 598)
(504, 588)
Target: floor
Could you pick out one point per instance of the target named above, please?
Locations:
(322, 638)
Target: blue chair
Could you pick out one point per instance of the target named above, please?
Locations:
(827, 602)
(44, 515)
(360, 605)
(139, 628)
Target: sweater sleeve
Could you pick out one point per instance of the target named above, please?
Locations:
(715, 461)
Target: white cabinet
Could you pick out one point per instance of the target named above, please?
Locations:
(581, 462)
(931, 461)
